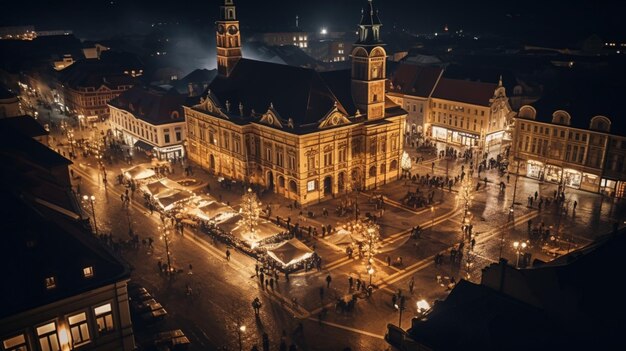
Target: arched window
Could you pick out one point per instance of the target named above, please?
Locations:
(293, 187)
(561, 117)
(383, 168)
(373, 171)
(527, 112)
(174, 115)
(394, 165)
(600, 123)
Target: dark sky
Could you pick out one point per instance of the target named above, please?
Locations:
(538, 17)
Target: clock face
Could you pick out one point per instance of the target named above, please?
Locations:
(232, 30)
(220, 29)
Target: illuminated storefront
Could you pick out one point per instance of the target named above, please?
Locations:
(572, 178)
(534, 169)
(553, 174)
(454, 137)
(590, 182)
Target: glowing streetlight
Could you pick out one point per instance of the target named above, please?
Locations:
(519, 247)
(422, 306)
(324, 31)
(91, 200)
(165, 236)
(241, 329)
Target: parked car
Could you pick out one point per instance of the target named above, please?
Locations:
(172, 340)
(154, 316)
(146, 306)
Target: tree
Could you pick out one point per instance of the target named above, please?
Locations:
(250, 210)
(370, 233)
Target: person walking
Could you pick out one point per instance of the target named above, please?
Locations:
(575, 205)
(227, 255)
(256, 305)
(350, 282)
(411, 284)
(328, 280)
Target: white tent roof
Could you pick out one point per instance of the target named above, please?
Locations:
(342, 237)
(290, 252)
(262, 231)
(138, 172)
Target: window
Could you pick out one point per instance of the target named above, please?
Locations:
(167, 138)
(328, 159)
(79, 329)
(16, 343)
(88, 272)
(292, 162)
(51, 283)
(48, 338)
(311, 163)
(179, 134)
(226, 141)
(268, 154)
(342, 155)
(279, 157)
(104, 318)
(310, 185)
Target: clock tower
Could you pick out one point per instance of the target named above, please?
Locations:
(228, 39)
(368, 66)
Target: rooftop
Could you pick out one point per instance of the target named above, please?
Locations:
(26, 125)
(152, 104)
(475, 93)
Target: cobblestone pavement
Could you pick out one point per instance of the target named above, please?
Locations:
(223, 290)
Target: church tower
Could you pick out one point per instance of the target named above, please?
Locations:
(228, 39)
(368, 66)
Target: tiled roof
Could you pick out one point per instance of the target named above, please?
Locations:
(475, 93)
(26, 125)
(152, 104)
(35, 248)
(297, 93)
(415, 80)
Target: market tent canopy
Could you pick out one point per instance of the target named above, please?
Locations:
(214, 208)
(261, 232)
(174, 196)
(138, 172)
(290, 252)
(230, 224)
(342, 237)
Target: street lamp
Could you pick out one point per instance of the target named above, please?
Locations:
(432, 219)
(165, 236)
(519, 247)
(90, 200)
(422, 306)
(240, 330)
(400, 307)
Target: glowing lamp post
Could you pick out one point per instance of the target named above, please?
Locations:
(422, 306)
(518, 248)
(241, 330)
(91, 201)
(165, 236)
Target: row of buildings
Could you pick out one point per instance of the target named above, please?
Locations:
(308, 135)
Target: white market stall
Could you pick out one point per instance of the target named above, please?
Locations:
(262, 232)
(290, 252)
(138, 172)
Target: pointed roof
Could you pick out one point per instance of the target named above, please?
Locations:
(369, 17)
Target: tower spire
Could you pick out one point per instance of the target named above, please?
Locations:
(228, 39)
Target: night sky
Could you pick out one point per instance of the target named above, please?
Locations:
(98, 18)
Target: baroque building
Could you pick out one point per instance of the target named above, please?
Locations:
(300, 133)
(566, 139)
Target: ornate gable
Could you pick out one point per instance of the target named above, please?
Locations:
(333, 118)
(271, 118)
(211, 105)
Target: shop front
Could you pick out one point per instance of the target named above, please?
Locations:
(553, 174)
(534, 169)
(608, 186)
(455, 137)
(170, 152)
(572, 178)
(590, 182)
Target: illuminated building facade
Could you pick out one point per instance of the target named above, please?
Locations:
(470, 114)
(151, 119)
(302, 134)
(581, 150)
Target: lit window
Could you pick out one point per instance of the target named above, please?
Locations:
(104, 318)
(79, 329)
(51, 283)
(16, 343)
(48, 338)
(310, 185)
(88, 272)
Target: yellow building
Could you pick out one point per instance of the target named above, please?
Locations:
(302, 134)
(467, 113)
